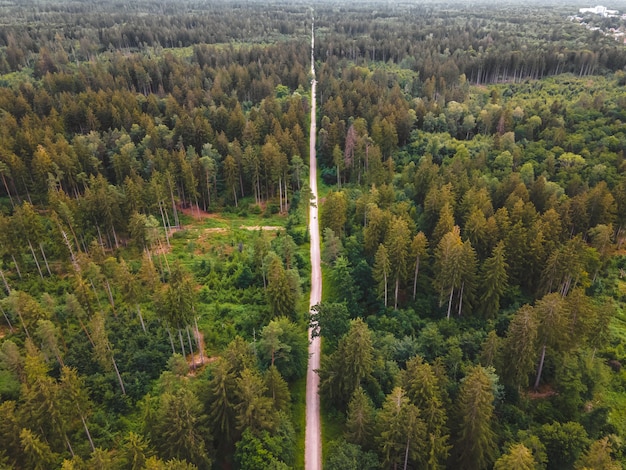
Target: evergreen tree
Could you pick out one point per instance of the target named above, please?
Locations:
(342, 372)
(397, 243)
(419, 252)
(494, 281)
(360, 419)
(520, 347)
(553, 331)
(280, 294)
(424, 391)
(475, 445)
(382, 270)
(401, 432)
(519, 457)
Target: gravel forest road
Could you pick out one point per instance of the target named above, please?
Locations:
(313, 432)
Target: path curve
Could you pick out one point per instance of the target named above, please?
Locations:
(313, 431)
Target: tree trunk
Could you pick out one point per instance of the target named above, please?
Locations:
(198, 342)
(166, 223)
(182, 346)
(193, 363)
(4, 280)
(280, 194)
(45, 259)
(208, 190)
(30, 245)
(86, 429)
(169, 333)
(117, 243)
(7, 319)
(69, 446)
(286, 199)
(117, 371)
(461, 298)
(19, 314)
(450, 302)
(82, 325)
(174, 205)
(395, 303)
(540, 369)
(7, 188)
(17, 268)
(417, 268)
(110, 295)
(406, 452)
(385, 290)
(143, 325)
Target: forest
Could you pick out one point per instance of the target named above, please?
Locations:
(154, 244)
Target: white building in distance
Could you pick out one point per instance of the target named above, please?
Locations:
(599, 10)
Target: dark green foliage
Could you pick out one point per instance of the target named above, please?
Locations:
(331, 321)
(284, 345)
(342, 455)
(564, 443)
(475, 445)
(344, 370)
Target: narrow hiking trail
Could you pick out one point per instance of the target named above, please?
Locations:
(313, 432)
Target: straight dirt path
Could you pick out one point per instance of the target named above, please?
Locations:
(313, 431)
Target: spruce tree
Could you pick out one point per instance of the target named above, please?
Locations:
(494, 280)
(475, 445)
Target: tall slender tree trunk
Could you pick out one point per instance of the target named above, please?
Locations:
(143, 325)
(19, 314)
(30, 245)
(461, 298)
(43, 253)
(406, 452)
(280, 194)
(540, 368)
(6, 186)
(117, 243)
(198, 341)
(166, 223)
(208, 190)
(286, 198)
(117, 372)
(93, 448)
(4, 280)
(395, 303)
(450, 302)
(385, 290)
(17, 267)
(417, 268)
(82, 325)
(182, 346)
(169, 333)
(110, 295)
(69, 446)
(173, 204)
(193, 363)
(7, 319)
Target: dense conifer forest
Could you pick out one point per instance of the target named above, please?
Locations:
(154, 245)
